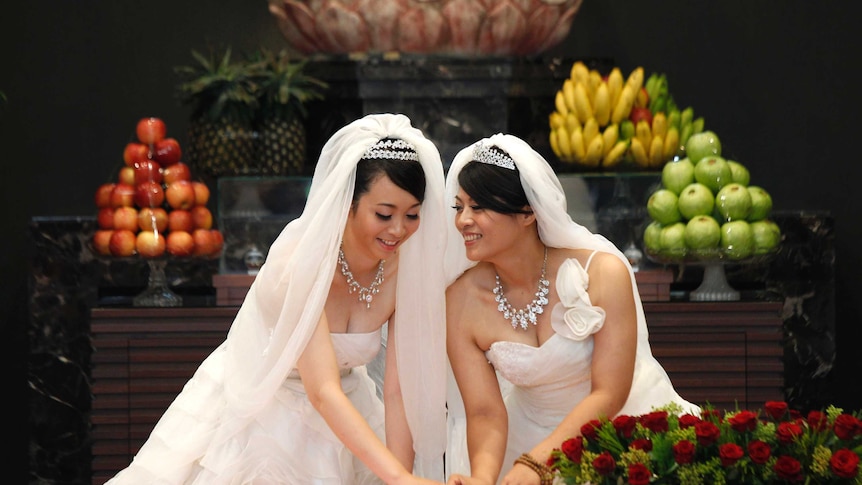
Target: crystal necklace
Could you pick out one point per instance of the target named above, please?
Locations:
(522, 318)
(365, 294)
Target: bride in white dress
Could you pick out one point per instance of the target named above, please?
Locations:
(287, 399)
(546, 330)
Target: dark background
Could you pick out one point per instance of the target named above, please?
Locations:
(775, 79)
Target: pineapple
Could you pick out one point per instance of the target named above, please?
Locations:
(221, 135)
(283, 90)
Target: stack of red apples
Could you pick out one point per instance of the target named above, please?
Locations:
(154, 208)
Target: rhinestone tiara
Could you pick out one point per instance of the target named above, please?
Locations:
(483, 154)
(391, 149)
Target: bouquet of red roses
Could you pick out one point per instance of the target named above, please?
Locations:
(769, 446)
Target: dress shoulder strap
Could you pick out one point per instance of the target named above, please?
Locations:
(590, 259)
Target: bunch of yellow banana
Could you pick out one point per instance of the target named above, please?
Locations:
(585, 128)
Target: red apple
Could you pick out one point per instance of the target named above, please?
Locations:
(180, 194)
(122, 242)
(180, 220)
(180, 243)
(150, 130)
(105, 218)
(175, 172)
(103, 195)
(205, 243)
(150, 218)
(202, 193)
(218, 237)
(148, 171)
(126, 175)
(135, 153)
(202, 217)
(149, 194)
(126, 217)
(123, 195)
(638, 114)
(167, 152)
(150, 244)
(102, 241)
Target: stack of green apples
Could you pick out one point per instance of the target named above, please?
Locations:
(707, 209)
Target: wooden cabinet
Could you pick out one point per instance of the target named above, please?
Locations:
(142, 358)
(721, 352)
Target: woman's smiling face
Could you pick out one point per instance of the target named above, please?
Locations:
(383, 218)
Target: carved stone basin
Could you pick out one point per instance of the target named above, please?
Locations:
(465, 28)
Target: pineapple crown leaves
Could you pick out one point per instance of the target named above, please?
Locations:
(218, 88)
(283, 86)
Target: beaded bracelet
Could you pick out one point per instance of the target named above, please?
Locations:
(546, 476)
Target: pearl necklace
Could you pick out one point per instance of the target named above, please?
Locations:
(522, 318)
(365, 294)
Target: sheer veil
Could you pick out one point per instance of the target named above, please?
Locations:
(287, 297)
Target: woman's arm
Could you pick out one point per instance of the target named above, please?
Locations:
(322, 382)
(487, 421)
(399, 440)
(612, 367)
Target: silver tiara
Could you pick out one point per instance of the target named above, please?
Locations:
(392, 149)
(483, 154)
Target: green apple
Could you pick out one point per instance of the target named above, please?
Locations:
(733, 202)
(702, 233)
(714, 172)
(739, 173)
(677, 174)
(703, 144)
(673, 239)
(737, 240)
(695, 200)
(761, 203)
(652, 237)
(766, 235)
(662, 206)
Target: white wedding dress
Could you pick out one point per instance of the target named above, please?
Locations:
(541, 385)
(288, 441)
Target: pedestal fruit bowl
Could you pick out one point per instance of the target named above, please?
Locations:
(154, 210)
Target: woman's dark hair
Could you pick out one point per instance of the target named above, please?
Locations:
(495, 188)
(406, 174)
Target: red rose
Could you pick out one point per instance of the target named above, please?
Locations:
(683, 452)
(641, 444)
(844, 463)
(604, 464)
(846, 426)
(817, 421)
(743, 421)
(706, 432)
(788, 432)
(573, 449)
(688, 420)
(730, 453)
(776, 409)
(759, 452)
(639, 474)
(625, 425)
(590, 429)
(655, 421)
(788, 468)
